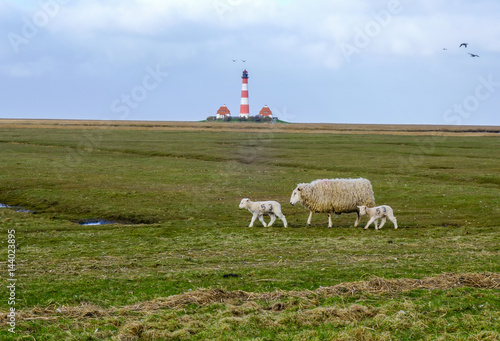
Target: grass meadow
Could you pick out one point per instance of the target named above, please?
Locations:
(180, 262)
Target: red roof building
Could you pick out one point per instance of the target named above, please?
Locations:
(223, 112)
(265, 112)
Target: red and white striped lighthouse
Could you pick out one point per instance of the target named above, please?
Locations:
(244, 107)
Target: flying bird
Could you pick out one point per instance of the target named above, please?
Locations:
(473, 55)
(464, 44)
(234, 60)
(243, 60)
(444, 48)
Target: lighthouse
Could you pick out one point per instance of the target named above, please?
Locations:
(244, 107)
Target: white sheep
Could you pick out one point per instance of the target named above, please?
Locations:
(380, 212)
(259, 208)
(334, 196)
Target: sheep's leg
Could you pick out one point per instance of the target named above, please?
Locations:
(310, 218)
(394, 221)
(273, 218)
(261, 218)
(283, 219)
(382, 222)
(254, 216)
(369, 222)
(330, 224)
(358, 219)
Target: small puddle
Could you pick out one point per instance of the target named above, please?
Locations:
(83, 222)
(16, 208)
(96, 222)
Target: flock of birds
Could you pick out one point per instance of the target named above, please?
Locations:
(465, 45)
(444, 48)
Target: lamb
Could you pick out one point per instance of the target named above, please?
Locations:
(380, 212)
(334, 196)
(259, 208)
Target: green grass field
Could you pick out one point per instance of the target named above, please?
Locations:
(157, 273)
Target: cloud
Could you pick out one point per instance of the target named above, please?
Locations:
(333, 50)
(318, 32)
(155, 17)
(27, 70)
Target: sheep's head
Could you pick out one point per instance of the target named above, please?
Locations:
(243, 202)
(362, 210)
(295, 198)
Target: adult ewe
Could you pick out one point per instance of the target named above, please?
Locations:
(259, 208)
(334, 196)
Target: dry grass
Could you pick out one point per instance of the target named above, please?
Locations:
(206, 297)
(374, 286)
(330, 128)
(115, 282)
(280, 315)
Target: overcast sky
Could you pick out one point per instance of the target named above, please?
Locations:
(334, 61)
